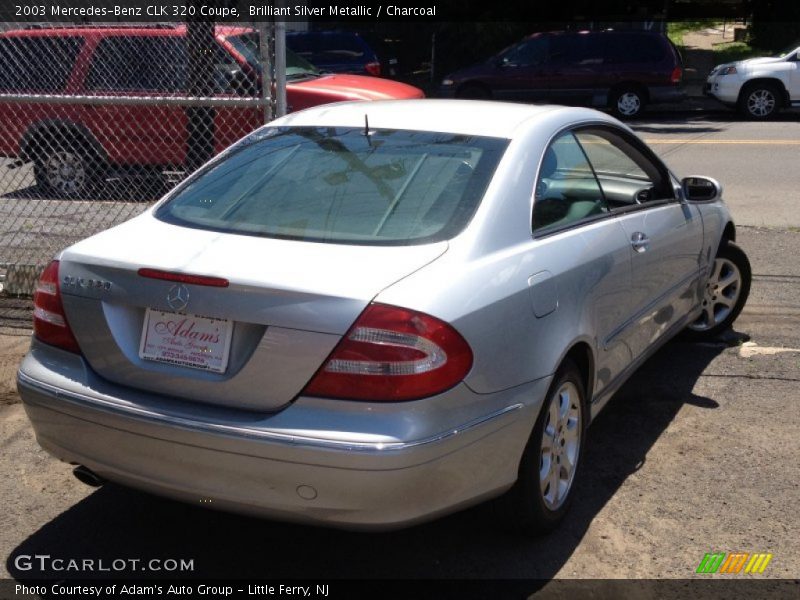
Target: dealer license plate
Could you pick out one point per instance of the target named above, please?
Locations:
(186, 340)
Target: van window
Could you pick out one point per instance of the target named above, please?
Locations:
(37, 64)
(133, 63)
(629, 48)
(576, 49)
(339, 47)
(527, 53)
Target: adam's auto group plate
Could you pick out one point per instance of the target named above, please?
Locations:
(186, 340)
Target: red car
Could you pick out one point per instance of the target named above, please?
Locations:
(73, 145)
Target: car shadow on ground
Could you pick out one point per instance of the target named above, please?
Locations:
(115, 522)
(699, 121)
(119, 189)
(675, 128)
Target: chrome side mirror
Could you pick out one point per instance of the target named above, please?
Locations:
(701, 189)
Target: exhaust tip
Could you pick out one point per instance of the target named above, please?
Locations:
(87, 476)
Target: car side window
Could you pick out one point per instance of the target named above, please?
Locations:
(29, 65)
(575, 50)
(629, 48)
(566, 189)
(526, 54)
(139, 63)
(626, 176)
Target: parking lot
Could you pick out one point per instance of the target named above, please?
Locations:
(697, 453)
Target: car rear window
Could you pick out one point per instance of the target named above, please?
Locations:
(37, 64)
(386, 187)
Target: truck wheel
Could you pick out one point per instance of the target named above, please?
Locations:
(66, 171)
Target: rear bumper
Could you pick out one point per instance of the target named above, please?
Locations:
(340, 471)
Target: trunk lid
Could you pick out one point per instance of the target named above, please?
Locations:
(289, 303)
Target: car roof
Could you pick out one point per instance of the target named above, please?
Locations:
(466, 117)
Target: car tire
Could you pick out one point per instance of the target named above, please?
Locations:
(725, 294)
(473, 91)
(66, 171)
(760, 101)
(627, 102)
(544, 489)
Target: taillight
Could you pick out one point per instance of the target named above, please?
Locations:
(677, 73)
(373, 68)
(392, 354)
(49, 321)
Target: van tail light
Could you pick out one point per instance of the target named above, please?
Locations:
(373, 68)
(49, 321)
(677, 74)
(392, 354)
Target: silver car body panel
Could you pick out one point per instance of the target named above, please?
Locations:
(251, 442)
(367, 465)
(289, 314)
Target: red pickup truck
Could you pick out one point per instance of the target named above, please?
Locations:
(74, 145)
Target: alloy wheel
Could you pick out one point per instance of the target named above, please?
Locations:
(721, 295)
(65, 172)
(560, 448)
(761, 102)
(629, 104)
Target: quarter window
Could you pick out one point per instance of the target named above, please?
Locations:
(567, 190)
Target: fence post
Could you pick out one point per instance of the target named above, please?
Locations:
(264, 30)
(280, 65)
(200, 119)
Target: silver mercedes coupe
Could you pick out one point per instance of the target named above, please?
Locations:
(367, 315)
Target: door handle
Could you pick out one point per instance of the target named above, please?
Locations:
(640, 242)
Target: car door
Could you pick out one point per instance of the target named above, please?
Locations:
(573, 69)
(588, 258)
(794, 80)
(665, 235)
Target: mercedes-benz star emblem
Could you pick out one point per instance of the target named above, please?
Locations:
(178, 297)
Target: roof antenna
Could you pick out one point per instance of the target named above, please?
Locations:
(366, 129)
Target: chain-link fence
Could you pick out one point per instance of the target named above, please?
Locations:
(97, 122)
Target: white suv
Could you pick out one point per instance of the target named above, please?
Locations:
(758, 87)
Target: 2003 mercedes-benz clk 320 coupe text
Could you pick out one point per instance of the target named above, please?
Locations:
(368, 316)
